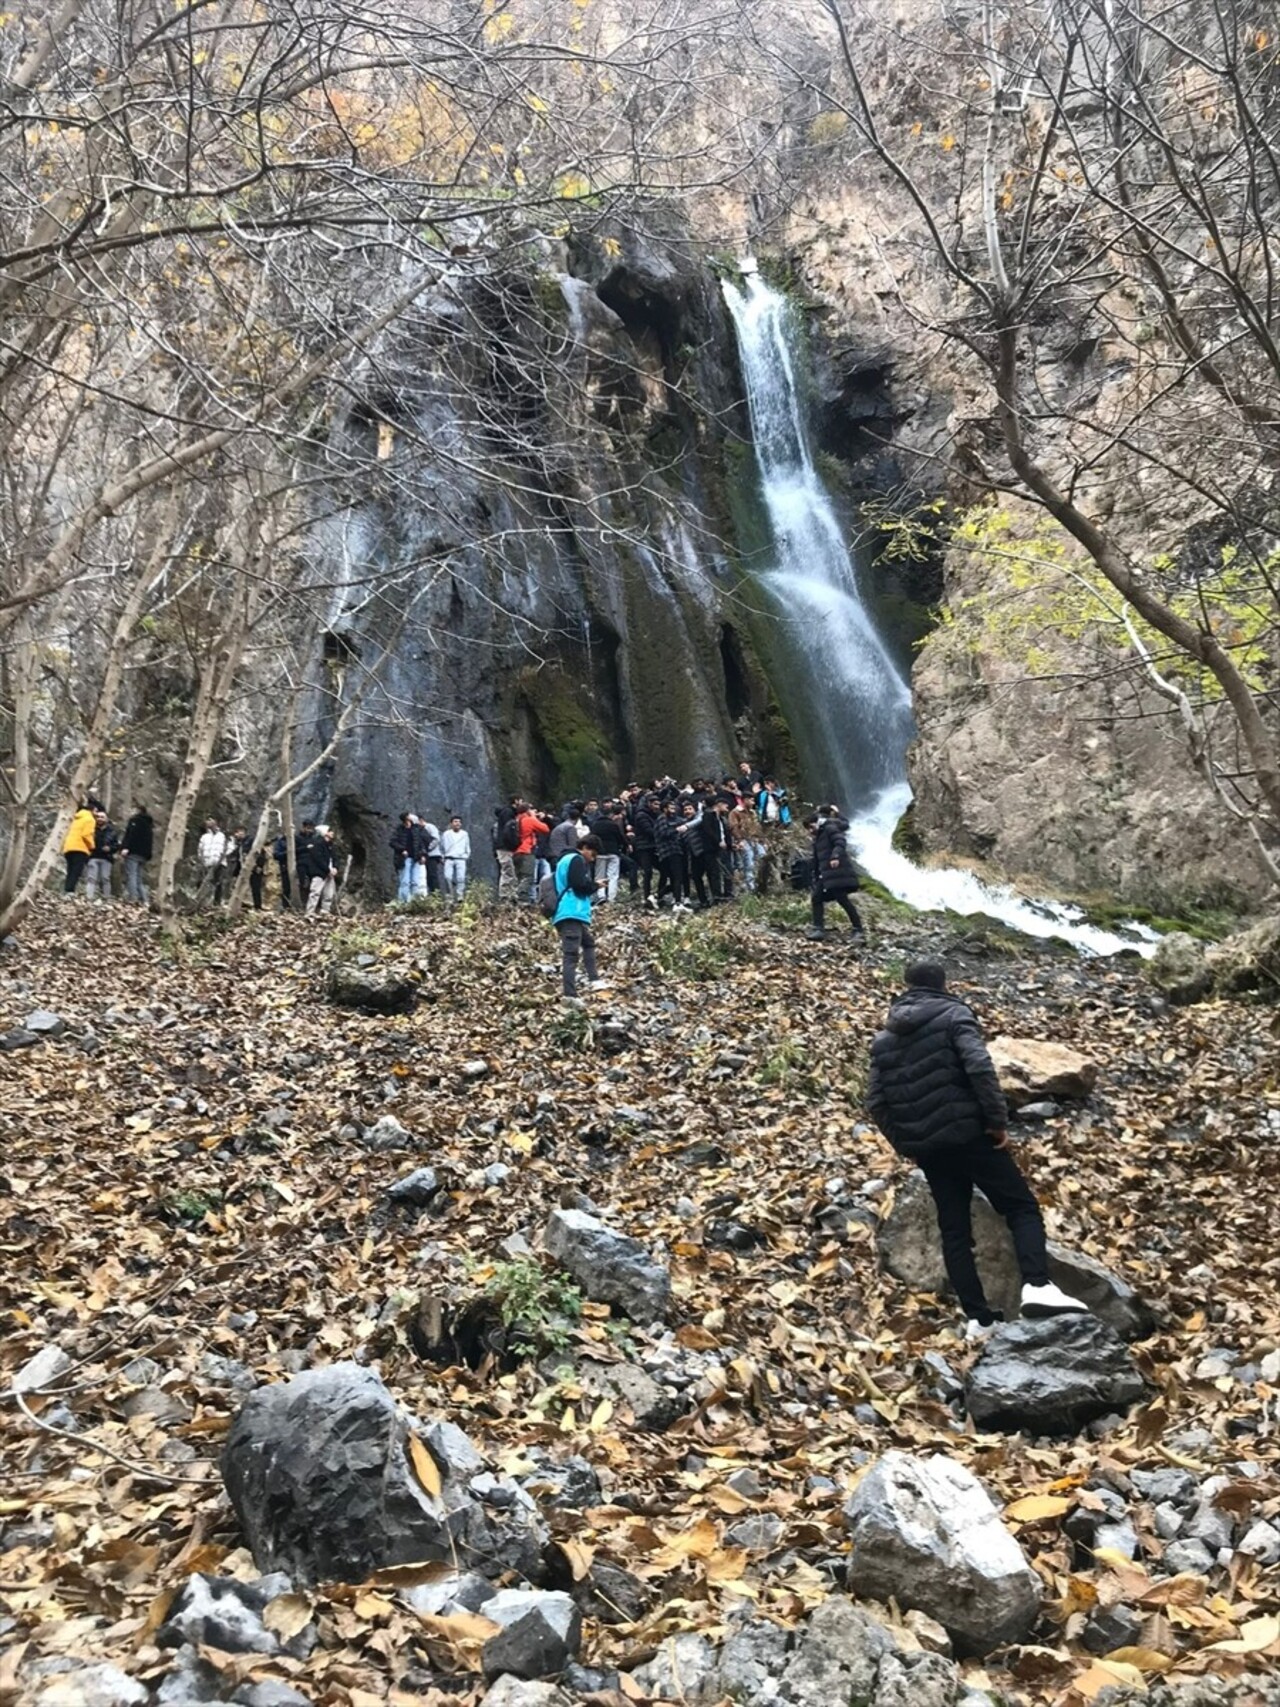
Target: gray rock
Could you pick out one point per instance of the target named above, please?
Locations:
(759, 1533)
(1169, 1521)
(378, 989)
(836, 1656)
(683, 1669)
(474, 1071)
(1179, 969)
(653, 1407)
(1262, 1542)
(1248, 960)
(458, 1592)
(317, 1471)
(541, 1632)
(1051, 1377)
(571, 1485)
(416, 1189)
(453, 1450)
(754, 1654)
(269, 1693)
(496, 1173)
(522, 1692)
(219, 1611)
(18, 1039)
(926, 1534)
(1178, 1486)
(386, 1134)
(915, 1680)
(612, 1595)
(216, 1371)
(747, 1483)
(1117, 1538)
(1112, 1627)
(158, 1403)
(1210, 1524)
(44, 1024)
(189, 1679)
(92, 1686)
(1192, 1557)
(42, 1371)
(911, 1250)
(610, 1267)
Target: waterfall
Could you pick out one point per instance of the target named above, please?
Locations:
(851, 704)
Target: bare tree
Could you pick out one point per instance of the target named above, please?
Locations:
(1096, 190)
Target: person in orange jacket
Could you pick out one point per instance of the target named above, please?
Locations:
(78, 847)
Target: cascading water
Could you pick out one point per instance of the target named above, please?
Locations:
(851, 698)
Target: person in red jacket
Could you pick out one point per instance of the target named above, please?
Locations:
(529, 827)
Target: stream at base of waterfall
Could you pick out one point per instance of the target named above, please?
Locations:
(844, 694)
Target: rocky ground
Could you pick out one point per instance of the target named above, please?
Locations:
(200, 1192)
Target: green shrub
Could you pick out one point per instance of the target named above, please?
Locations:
(537, 1306)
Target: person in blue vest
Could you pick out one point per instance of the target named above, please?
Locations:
(576, 887)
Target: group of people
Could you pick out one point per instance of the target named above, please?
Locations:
(690, 845)
(93, 847)
(430, 861)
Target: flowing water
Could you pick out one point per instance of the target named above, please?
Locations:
(851, 700)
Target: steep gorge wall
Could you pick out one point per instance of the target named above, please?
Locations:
(557, 449)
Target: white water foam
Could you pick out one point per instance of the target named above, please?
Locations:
(858, 703)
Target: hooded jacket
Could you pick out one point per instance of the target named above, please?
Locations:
(932, 1086)
(833, 869)
(79, 838)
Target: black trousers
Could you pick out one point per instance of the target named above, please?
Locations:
(952, 1176)
(255, 889)
(646, 864)
(818, 901)
(76, 863)
(671, 880)
(697, 881)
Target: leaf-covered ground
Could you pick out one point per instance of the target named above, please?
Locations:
(178, 1182)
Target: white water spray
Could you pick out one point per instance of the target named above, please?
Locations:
(856, 702)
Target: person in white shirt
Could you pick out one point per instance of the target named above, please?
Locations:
(455, 845)
(212, 854)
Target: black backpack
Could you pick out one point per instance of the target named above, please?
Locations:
(509, 836)
(801, 872)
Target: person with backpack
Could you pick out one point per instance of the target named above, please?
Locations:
(934, 1093)
(138, 847)
(835, 877)
(571, 888)
(532, 828)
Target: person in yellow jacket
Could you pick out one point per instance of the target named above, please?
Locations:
(78, 847)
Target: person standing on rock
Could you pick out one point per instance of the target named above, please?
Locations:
(934, 1093)
(576, 887)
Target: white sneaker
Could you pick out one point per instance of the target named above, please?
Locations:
(975, 1331)
(596, 985)
(1050, 1300)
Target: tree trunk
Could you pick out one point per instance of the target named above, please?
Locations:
(21, 674)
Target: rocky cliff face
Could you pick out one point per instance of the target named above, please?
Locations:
(543, 461)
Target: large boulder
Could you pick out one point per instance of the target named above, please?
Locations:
(1031, 1070)
(319, 1472)
(1248, 963)
(1051, 1377)
(372, 986)
(911, 1250)
(926, 1534)
(1179, 969)
(610, 1267)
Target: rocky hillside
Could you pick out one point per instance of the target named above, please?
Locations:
(605, 1346)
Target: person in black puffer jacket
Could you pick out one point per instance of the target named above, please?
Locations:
(835, 877)
(934, 1093)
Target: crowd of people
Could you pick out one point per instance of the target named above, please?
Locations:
(683, 846)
